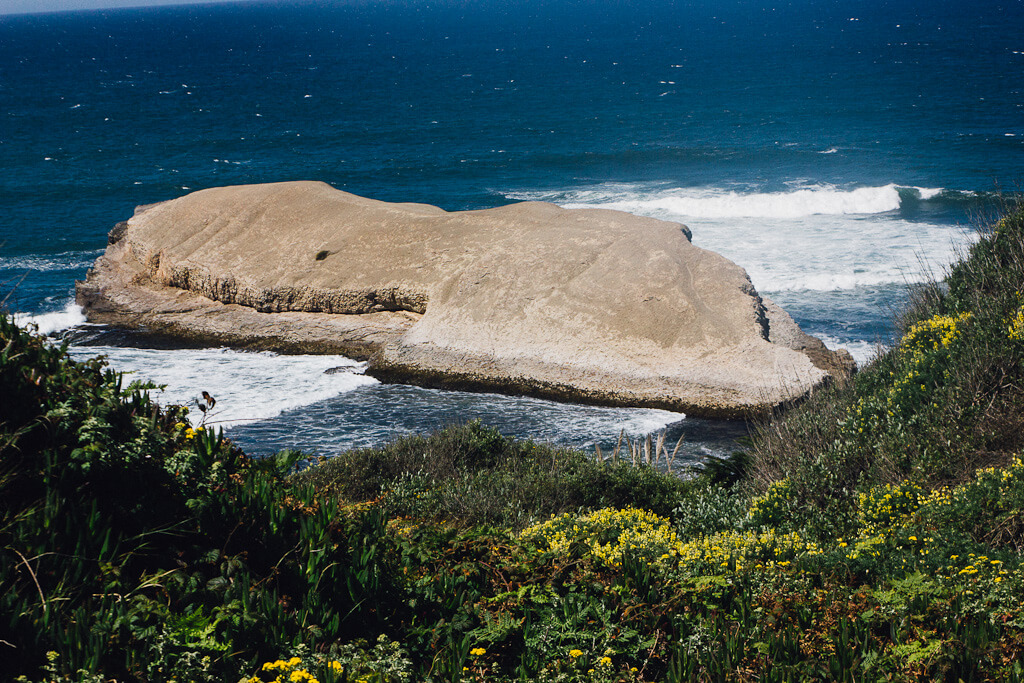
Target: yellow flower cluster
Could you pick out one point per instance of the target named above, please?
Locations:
(870, 542)
(887, 513)
(745, 549)
(610, 535)
(188, 431)
(885, 506)
(998, 480)
(287, 671)
(770, 508)
(356, 509)
(193, 433)
(976, 567)
(290, 671)
(937, 497)
(1016, 328)
(919, 346)
(937, 332)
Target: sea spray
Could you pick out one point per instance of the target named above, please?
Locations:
(54, 321)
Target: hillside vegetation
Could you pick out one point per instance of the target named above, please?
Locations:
(872, 533)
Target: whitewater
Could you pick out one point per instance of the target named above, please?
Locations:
(811, 238)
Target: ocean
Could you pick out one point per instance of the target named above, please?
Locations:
(840, 152)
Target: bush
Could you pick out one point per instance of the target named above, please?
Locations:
(610, 535)
(943, 402)
(132, 543)
(473, 475)
(709, 509)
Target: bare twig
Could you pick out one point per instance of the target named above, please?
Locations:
(34, 579)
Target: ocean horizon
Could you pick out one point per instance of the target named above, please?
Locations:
(841, 154)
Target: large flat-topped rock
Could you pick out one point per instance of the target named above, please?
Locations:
(580, 304)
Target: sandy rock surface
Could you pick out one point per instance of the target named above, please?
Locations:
(590, 305)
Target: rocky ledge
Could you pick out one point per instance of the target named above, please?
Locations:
(587, 305)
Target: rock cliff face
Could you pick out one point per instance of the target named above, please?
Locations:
(588, 305)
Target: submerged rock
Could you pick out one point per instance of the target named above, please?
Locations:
(589, 305)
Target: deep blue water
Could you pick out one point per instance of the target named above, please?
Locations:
(823, 146)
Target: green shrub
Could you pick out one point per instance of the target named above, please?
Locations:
(709, 509)
(471, 474)
(943, 402)
(135, 545)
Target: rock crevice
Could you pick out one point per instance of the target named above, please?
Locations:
(278, 299)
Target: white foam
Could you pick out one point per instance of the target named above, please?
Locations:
(636, 422)
(863, 352)
(810, 200)
(247, 386)
(834, 253)
(598, 422)
(68, 260)
(813, 237)
(55, 321)
(795, 204)
(927, 193)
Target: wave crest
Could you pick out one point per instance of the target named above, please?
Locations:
(810, 237)
(814, 200)
(54, 321)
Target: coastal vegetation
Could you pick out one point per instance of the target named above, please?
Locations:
(872, 533)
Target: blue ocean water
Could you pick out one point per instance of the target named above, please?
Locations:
(837, 151)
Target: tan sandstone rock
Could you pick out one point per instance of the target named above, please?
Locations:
(590, 305)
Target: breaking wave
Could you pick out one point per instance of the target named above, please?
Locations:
(807, 238)
(812, 200)
(54, 321)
